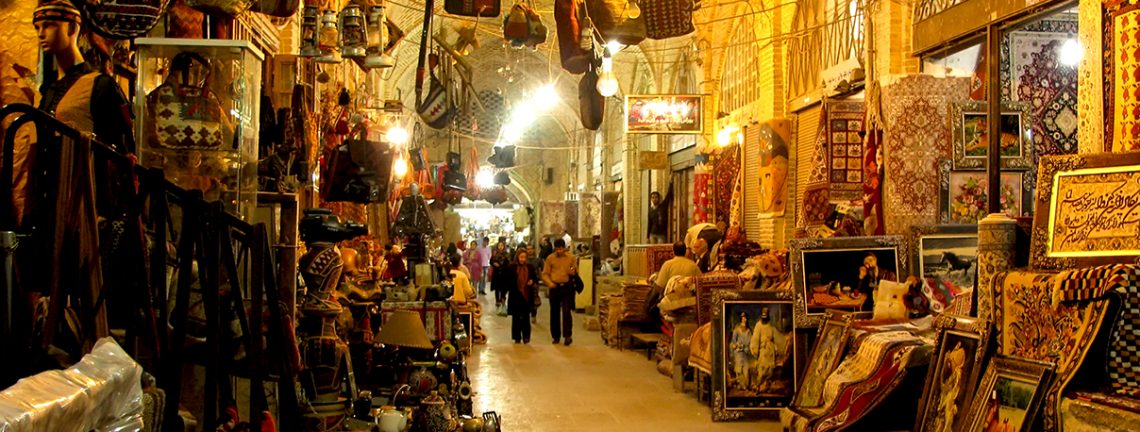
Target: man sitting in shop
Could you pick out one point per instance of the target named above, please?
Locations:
(556, 273)
(463, 291)
(701, 252)
(679, 265)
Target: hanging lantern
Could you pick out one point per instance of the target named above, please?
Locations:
(378, 39)
(309, 33)
(328, 38)
(353, 33)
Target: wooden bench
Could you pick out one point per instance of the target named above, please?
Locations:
(645, 340)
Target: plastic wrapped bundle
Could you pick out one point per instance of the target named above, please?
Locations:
(103, 392)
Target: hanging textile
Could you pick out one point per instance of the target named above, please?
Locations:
(701, 179)
(845, 149)
(873, 184)
(726, 172)
(816, 202)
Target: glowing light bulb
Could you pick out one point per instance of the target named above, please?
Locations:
(397, 135)
(1070, 53)
(485, 179)
(400, 168)
(725, 136)
(607, 84)
(633, 11)
(546, 97)
(614, 46)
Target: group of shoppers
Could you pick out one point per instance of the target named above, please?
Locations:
(514, 277)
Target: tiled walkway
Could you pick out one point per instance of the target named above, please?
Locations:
(584, 387)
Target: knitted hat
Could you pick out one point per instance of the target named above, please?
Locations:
(56, 10)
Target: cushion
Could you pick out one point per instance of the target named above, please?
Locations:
(890, 300)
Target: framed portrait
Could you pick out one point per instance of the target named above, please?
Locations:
(963, 195)
(754, 352)
(971, 136)
(841, 273)
(959, 356)
(1082, 218)
(945, 258)
(1009, 395)
(825, 356)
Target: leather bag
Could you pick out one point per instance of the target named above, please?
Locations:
(568, 17)
(591, 105)
(611, 17)
(473, 8)
(666, 19)
(359, 172)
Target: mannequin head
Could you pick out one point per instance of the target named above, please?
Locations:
(57, 25)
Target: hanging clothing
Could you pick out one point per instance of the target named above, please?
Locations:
(91, 101)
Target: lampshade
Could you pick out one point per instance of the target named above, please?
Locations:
(404, 329)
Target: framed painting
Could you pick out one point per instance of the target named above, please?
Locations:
(1086, 211)
(971, 141)
(754, 352)
(945, 258)
(963, 195)
(959, 355)
(1009, 395)
(825, 356)
(841, 273)
(663, 114)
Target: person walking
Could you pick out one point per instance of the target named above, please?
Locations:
(484, 264)
(545, 249)
(536, 264)
(523, 281)
(500, 280)
(474, 265)
(556, 273)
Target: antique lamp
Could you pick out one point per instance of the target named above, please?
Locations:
(353, 32)
(378, 39)
(309, 38)
(328, 38)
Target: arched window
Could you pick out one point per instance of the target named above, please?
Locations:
(740, 77)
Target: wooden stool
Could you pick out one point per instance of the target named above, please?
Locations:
(704, 385)
(647, 341)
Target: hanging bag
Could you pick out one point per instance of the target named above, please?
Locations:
(276, 8)
(536, 29)
(516, 29)
(591, 104)
(611, 18)
(473, 8)
(187, 116)
(568, 20)
(666, 19)
(122, 19)
(436, 109)
(359, 171)
(231, 8)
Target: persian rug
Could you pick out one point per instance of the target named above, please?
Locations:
(815, 180)
(553, 217)
(726, 170)
(873, 222)
(704, 285)
(571, 223)
(591, 215)
(1030, 327)
(1046, 88)
(917, 133)
(1124, 98)
(817, 205)
(1124, 339)
(656, 255)
(844, 146)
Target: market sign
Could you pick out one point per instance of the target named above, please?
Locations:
(653, 160)
(663, 114)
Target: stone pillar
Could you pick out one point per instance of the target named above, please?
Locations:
(997, 235)
(631, 192)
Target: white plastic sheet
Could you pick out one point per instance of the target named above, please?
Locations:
(102, 392)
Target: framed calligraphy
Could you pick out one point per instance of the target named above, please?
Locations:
(1088, 211)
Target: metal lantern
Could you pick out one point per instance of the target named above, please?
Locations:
(378, 39)
(353, 33)
(328, 38)
(309, 33)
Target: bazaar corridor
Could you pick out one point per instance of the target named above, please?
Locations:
(584, 387)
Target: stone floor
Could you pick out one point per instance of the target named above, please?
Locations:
(583, 387)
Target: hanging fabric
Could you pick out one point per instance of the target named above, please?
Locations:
(613, 20)
(666, 19)
(569, 19)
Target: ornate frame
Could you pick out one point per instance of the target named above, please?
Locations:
(913, 246)
(1026, 371)
(836, 322)
(720, 410)
(944, 173)
(959, 110)
(804, 319)
(952, 326)
(1051, 169)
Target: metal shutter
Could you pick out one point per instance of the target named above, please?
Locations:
(750, 175)
(807, 131)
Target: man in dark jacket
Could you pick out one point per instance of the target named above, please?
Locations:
(659, 216)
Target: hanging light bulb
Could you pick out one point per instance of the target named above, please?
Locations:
(632, 10)
(1070, 53)
(485, 179)
(397, 135)
(607, 81)
(546, 97)
(400, 168)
